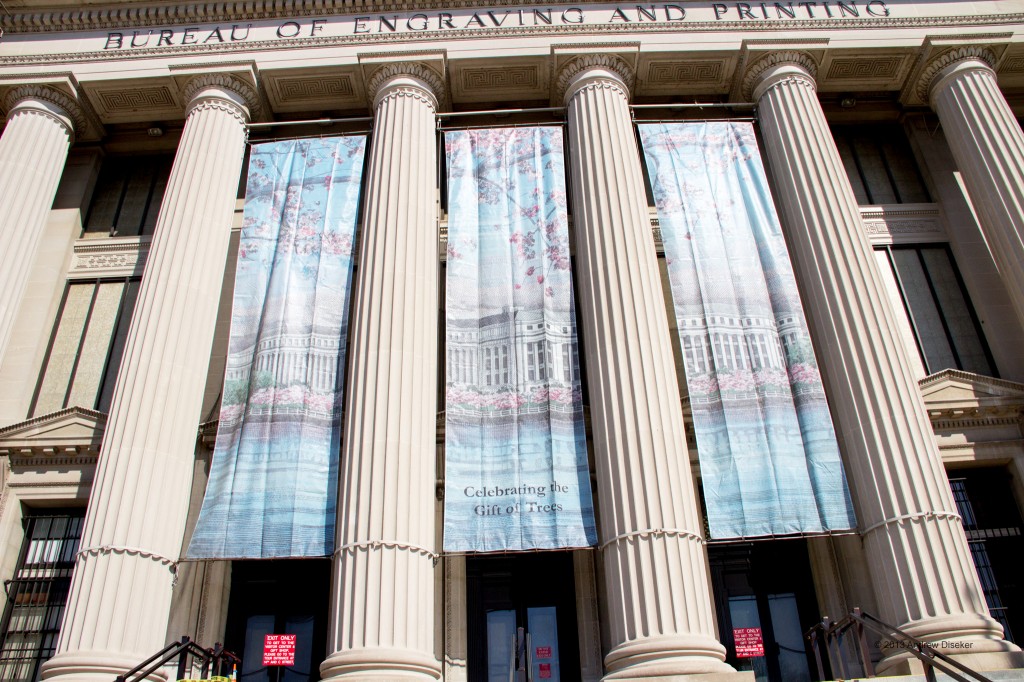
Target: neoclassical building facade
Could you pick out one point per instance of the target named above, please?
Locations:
(890, 133)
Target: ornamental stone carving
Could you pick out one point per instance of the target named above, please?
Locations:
(949, 58)
(756, 71)
(579, 68)
(66, 110)
(408, 79)
(247, 102)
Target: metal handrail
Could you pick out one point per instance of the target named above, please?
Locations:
(180, 649)
(833, 632)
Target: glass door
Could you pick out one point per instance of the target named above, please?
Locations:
(522, 618)
(765, 598)
(287, 597)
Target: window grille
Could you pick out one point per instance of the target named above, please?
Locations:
(37, 594)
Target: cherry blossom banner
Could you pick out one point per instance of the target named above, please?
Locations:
(516, 473)
(273, 482)
(769, 460)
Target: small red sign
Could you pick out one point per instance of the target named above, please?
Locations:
(543, 652)
(545, 671)
(748, 642)
(279, 650)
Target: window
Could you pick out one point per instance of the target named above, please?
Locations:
(86, 346)
(38, 593)
(923, 282)
(128, 195)
(880, 164)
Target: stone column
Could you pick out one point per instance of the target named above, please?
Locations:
(119, 603)
(382, 609)
(658, 598)
(915, 546)
(988, 146)
(40, 129)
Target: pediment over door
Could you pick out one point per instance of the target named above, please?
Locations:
(974, 416)
(68, 437)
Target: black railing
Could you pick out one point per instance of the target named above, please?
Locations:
(213, 661)
(832, 635)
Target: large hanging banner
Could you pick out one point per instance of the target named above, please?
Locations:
(273, 482)
(516, 473)
(769, 460)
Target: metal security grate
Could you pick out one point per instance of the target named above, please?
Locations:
(37, 594)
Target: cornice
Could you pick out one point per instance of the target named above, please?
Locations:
(576, 69)
(949, 58)
(755, 72)
(434, 94)
(217, 12)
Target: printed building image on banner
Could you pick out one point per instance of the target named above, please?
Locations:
(272, 490)
(516, 473)
(768, 455)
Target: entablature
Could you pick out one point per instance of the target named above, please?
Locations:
(129, 62)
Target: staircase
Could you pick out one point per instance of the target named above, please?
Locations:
(212, 662)
(938, 666)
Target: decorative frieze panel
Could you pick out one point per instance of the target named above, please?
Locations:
(902, 223)
(312, 90)
(1013, 64)
(1010, 70)
(135, 101)
(682, 76)
(499, 80)
(843, 71)
(109, 257)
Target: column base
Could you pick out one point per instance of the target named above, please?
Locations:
(94, 666)
(982, 663)
(380, 663)
(975, 640)
(734, 676)
(670, 657)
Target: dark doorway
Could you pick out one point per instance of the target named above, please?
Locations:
(288, 597)
(766, 587)
(534, 592)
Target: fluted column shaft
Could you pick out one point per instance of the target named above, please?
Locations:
(119, 603)
(921, 567)
(33, 150)
(659, 612)
(988, 146)
(382, 610)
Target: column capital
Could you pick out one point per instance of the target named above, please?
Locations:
(225, 92)
(775, 67)
(957, 59)
(407, 79)
(594, 70)
(47, 101)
